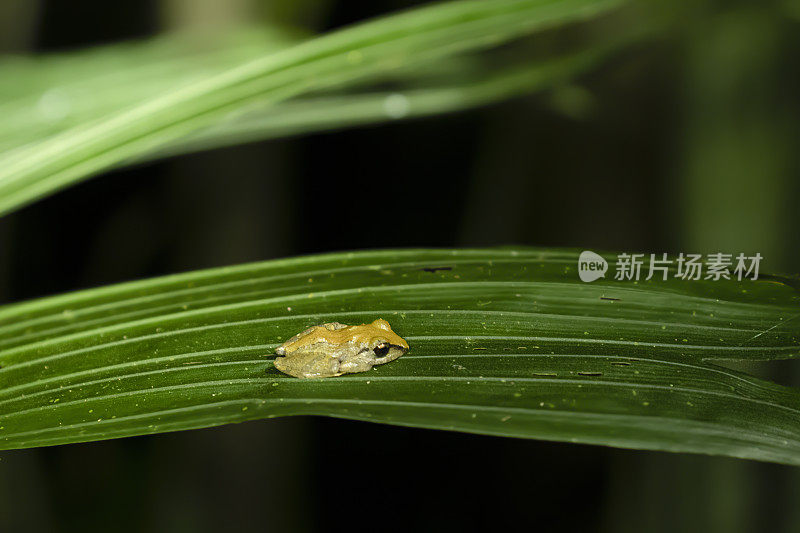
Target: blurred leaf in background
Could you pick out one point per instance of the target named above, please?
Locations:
(90, 140)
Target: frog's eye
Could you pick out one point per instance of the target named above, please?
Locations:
(382, 349)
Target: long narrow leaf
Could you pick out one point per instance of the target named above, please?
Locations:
(503, 342)
(345, 56)
(345, 111)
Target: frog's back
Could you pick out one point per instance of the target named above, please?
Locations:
(310, 336)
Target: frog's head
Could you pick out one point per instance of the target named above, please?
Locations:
(385, 334)
(386, 344)
(385, 351)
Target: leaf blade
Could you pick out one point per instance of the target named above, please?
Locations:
(416, 36)
(515, 340)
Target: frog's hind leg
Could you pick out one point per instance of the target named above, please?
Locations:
(308, 364)
(333, 326)
(281, 350)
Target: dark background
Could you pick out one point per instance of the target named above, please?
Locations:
(689, 144)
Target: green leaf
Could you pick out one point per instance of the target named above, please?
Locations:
(345, 111)
(157, 118)
(49, 94)
(43, 95)
(503, 342)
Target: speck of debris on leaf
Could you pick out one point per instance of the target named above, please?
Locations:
(433, 270)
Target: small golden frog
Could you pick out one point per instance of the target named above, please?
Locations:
(334, 349)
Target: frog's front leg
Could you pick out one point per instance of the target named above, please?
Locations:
(359, 362)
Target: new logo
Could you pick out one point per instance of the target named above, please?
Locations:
(591, 266)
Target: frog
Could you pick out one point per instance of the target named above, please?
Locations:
(333, 349)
